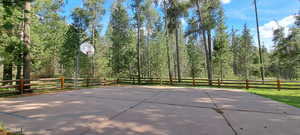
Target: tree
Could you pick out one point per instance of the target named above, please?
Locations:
(69, 50)
(151, 17)
(221, 47)
(95, 11)
(137, 9)
(165, 5)
(11, 45)
(47, 33)
(27, 42)
(246, 53)
(194, 60)
(234, 48)
(175, 10)
(286, 52)
(122, 52)
(207, 12)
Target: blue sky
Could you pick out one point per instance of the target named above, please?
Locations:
(238, 12)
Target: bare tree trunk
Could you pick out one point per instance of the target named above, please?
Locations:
(167, 45)
(221, 68)
(139, 46)
(27, 42)
(210, 56)
(177, 55)
(94, 45)
(207, 47)
(169, 59)
(208, 64)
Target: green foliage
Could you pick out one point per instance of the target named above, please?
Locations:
(286, 57)
(161, 44)
(222, 55)
(122, 50)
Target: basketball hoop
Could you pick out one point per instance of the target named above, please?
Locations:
(87, 49)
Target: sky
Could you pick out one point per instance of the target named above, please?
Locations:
(237, 12)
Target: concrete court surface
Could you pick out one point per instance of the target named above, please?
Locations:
(137, 110)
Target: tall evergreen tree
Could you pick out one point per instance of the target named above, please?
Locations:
(122, 51)
(221, 48)
(138, 11)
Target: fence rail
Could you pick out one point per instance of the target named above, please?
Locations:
(22, 86)
(247, 84)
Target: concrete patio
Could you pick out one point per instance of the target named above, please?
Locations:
(150, 111)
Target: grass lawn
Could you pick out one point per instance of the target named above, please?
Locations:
(290, 97)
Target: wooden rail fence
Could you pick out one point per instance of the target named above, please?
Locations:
(22, 86)
(247, 84)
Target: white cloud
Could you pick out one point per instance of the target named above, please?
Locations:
(266, 31)
(225, 1)
(268, 28)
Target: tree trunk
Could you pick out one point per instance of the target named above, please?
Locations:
(210, 56)
(207, 47)
(167, 45)
(27, 42)
(18, 75)
(221, 68)
(208, 65)
(169, 59)
(177, 55)
(94, 45)
(7, 73)
(138, 47)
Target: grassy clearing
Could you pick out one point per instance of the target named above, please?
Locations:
(290, 97)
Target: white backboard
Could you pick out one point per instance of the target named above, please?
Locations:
(87, 49)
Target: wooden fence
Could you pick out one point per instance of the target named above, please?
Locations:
(247, 84)
(22, 86)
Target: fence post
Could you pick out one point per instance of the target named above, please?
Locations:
(133, 82)
(171, 81)
(219, 83)
(247, 84)
(210, 82)
(62, 83)
(22, 85)
(160, 81)
(104, 81)
(278, 85)
(87, 82)
(194, 83)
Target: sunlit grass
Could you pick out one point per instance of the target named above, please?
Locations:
(290, 97)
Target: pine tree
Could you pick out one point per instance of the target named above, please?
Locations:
(221, 48)
(121, 38)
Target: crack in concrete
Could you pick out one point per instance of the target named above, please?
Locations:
(219, 111)
(126, 110)
(133, 106)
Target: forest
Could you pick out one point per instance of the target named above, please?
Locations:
(144, 39)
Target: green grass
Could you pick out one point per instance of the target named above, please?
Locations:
(290, 97)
